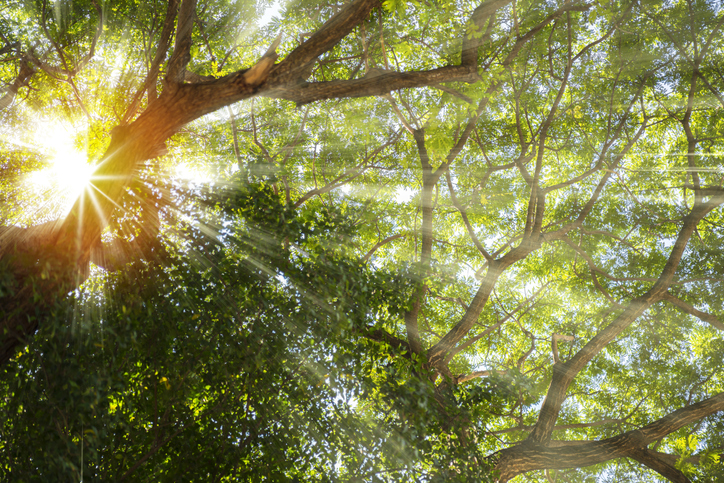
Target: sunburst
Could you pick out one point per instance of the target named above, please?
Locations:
(68, 172)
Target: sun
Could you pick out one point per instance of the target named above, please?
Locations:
(68, 172)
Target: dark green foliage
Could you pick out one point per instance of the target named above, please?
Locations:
(235, 359)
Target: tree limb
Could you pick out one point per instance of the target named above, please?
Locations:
(689, 309)
(182, 45)
(368, 86)
(21, 80)
(652, 460)
(381, 243)
(329, 35)
(563, 374)
(158, 58)
(529, 456)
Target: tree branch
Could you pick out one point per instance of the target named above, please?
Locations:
(688, 309)
(529, 456)
(333, 31)
(473, 37)
(381, 244)
(182, 45)
(652, 460)
(21, 80)
(563, 374)
(368, 86)
(158, 58)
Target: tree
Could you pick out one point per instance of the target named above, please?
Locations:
(493, 229)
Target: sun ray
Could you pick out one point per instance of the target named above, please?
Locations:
(68, 172)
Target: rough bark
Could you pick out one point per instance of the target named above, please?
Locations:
(529, 456)
(665, 468)
(372, 86)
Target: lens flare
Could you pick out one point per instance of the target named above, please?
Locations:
(68, 172)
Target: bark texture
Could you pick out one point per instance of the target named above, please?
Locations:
(529, 456)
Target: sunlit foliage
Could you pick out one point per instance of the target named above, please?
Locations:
(459, 241)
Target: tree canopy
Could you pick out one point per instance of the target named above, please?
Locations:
(405, 240)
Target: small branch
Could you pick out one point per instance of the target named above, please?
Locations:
(473, 375)
(455, 93)
(399, 114)
(381, 335)
(235, 136)
(380, 244)
(341, 180)
(466, 221)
